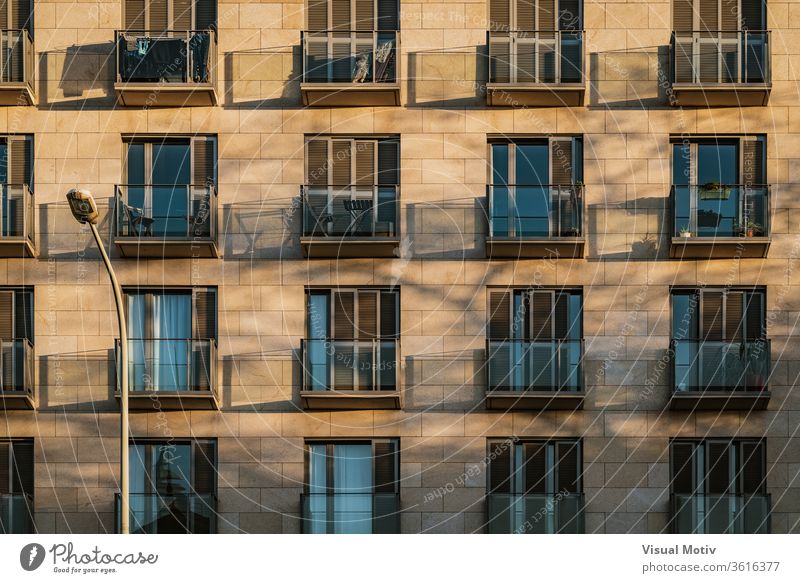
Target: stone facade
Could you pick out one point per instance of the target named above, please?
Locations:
(443, 273)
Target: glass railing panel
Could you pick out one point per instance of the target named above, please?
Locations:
(721, 366)
(561, 512)
(173, 365)
(720, 513)
(16, 514)
(535, 210)
(16, 365)
(720, 210)
(150, 56)
(350, 211)
(357, 57)
(523, 365)
(535, 57)
(351, 513)
(175, 211)
(170, 513)
(721, 57)
(350, 365)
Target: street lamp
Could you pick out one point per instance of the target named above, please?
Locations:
(84, 210)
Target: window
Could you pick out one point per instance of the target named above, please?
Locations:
(719, 339)
(719, 486)
(719, 186)
(352, 487)
(172, 335)
(16, 182)
(169, 15)
(535, 41)
(532, 188)
(535, 339)
(16, 486)
(352, 339)
(352, 186)
(16, 339)
(535, 486)
(173, 486)
(169, 187)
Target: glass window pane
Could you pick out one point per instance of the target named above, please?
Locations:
(532, 164)
(681, 164)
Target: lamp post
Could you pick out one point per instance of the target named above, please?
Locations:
(84, 210)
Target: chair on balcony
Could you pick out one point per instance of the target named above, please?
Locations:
(140, 225)
(358, 209)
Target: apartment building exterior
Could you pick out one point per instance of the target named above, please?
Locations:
(402, 267)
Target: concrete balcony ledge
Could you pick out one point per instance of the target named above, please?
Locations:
(345, 400)
(535, 400)
(719, 400)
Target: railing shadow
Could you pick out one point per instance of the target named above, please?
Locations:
(84, 75)
(263, 78)
(634, 78)
(448, 77)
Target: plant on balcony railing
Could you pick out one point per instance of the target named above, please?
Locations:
(342, 56)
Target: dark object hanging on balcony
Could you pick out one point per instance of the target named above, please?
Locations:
(164, 59)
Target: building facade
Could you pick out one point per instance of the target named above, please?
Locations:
(394, 266)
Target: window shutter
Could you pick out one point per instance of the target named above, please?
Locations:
(317, 15)
(753, 162)
(203, 161)
(499, 315)
(547, 15)
(181, 15)
(752, 468)
(541, 315)
(205, 462)
(365, 163)
(3, 15)
(683, 15)
(500, 457)
(389, 314)
(365, 15)
(525, 69)
(718, 464)
(561, 162)
(569, 15)
(535, 469)
(730, 15)
(387, 15)
(159, 15)
(500, 15)
(568, 456)
(205, 313)
(23, 314)
(526, 15)
(734, 316)
(385, 466)
(709, 15)
(341, 162)
(712, 315)
(388, 162)
(22, 467)
(317, 162)
(134, 15)
(205, 14)
(683, 467)
(340, 14)
(754, 315)
(367, 314)
(7, 320)
(5, 467)
(19, 166)
(343, 315)
(20, 14)
(752, 15)
(561, 312)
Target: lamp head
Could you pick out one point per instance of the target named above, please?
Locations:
(82, 206)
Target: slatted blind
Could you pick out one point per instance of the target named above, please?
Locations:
(182, 14)
(21, 14)
(5, 467)
(23, 314)
(135, 15)
(500, 51)
(718, 467)
(317, 15)
(344, 315)
(204, 305)
(534, 456)
(752, 15)
(205, 14)
(569, 459)
(385, 466)
(526, 15)
(500, 459)
(387, 15)
(708, 13)
(341, 162)
(569, 15)
(712, 317)
(499, 315)
(367, 314)
(388, 162)
(365, 15)
(734, 316)
(7, 318)
(4, 14)
(317, 162)
(682, 459)
(546, 10)
(729, 15)
(204, 169)
(500, 15)
(541, 314)
(751, 473)
(340, 14)
(561, 162)
(158, 15)
(388, 314)
(365, 163)
(22, 466)
(20, 169)
(205, 464)
(683, 15)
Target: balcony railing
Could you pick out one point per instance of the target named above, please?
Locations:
(536, 57)
(706, 365)
(350, 211)
(541, 211)
(540, 365)
(17, 223)
(174, 56)
(16, 67)
(171, 365)
(16, 513)
(559, 513)
(721, 57)
(16, 366)
(361, 513)
(721, 513)
(170, 513)
(720, 210)
(343, 56)
(350, 365)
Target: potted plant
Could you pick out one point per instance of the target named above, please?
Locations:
(751, 228)
(714, 191)
(685, 232)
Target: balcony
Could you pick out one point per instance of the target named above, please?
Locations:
(172, 374)
(720, 513)
(560, 513)
(166, 69)
(350, 374)
(351, 513)
(350, 68)
(166, 221)
(17, 221)
(535, 68)
(16, 374)
(170, 513)
(16, 68)
(714, 221)
(541, 374)
(16, 514)
(720, 375)
(537, 221)
(721, 68)
(350, 221)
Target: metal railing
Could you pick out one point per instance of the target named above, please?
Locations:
(350, 211)
(541, 210)
(720, 513)
(16, 57)
(182, 212)
(721, 57)
(720, 210)
(350, 365)
(172, 56)
(16, 365)
(170, 364)
(350, 56)
(362, 513)
(16, 514)
(707, 365)
(558, 513)
(17, 212)
(536, 56)
(170, 513)
(534, 365)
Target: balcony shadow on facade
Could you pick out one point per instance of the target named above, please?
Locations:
(83, 74)
(455, 229)
(637, 78)
(436, 381)
(263, 78)
(62, 237)
(449, 78)
(76, 381)
(264, 229)
(623, 243)
(249, 384)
